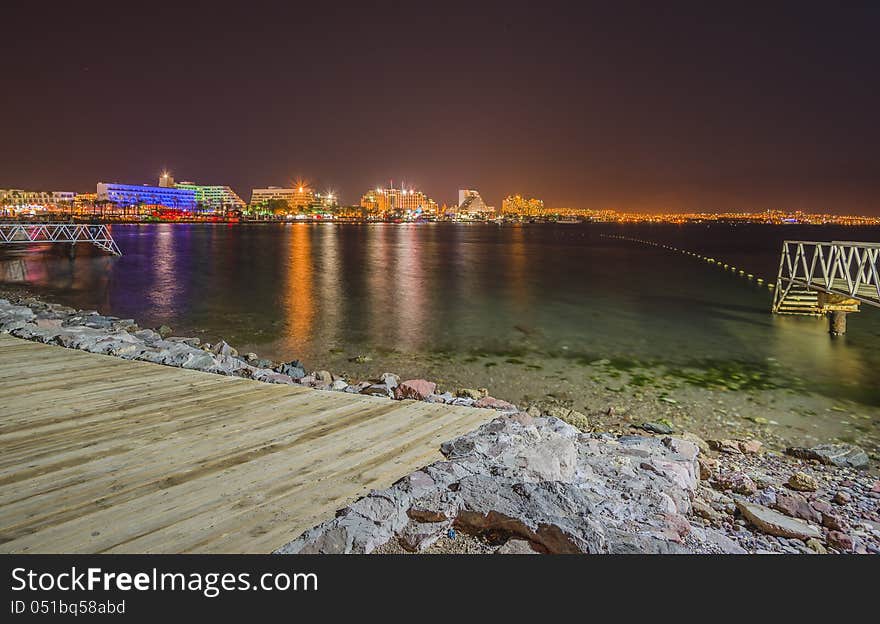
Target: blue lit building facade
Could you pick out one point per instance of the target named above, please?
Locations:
(128, 195)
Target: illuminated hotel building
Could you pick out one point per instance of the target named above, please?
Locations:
(19, 199)
(519, 205)
(85, 200)
(470, 203)
(297, 198)
(392, 200)
(213, 196)
(127, 195)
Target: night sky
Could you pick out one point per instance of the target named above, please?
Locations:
(645, 108)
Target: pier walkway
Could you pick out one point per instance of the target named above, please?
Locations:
(848, 270)
(27, 232)
(833, 279)
(104, 455)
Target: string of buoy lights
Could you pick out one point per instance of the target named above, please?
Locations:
(727, 267)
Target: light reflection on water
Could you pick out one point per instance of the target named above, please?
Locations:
(306, 290)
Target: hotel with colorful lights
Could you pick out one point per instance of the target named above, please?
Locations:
(127, 195)
(398, 201)
(519, 205)
(213, 196)
(18, 200)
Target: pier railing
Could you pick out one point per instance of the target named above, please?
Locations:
(26, 232)
(849, 270)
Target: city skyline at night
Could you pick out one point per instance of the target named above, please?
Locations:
(286, 280)
(678, 109)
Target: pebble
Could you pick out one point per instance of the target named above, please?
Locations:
(803, 482)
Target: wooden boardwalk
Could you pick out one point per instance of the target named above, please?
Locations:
(104, 455)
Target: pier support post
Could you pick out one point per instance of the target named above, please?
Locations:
(837, 322)
(71, 253)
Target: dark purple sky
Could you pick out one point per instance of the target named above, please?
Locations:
(705, 106)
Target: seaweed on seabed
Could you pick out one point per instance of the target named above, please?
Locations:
(716, 374)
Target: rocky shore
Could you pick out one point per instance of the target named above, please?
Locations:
(87, 330)
(541, 479)
(521, 485)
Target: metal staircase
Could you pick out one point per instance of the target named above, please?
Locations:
(801, 302)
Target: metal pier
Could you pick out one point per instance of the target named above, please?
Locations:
(833, 278)
(72, 233)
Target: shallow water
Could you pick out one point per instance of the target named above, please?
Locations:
(509, 304)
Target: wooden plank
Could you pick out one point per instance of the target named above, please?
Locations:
(100, 454)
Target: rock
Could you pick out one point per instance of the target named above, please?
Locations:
(796, 506)
(323, 377)
(417, 536)
(554, 460)
(270, 376)
(553, 514)
(822, 506)
(682, 447)
(339, 384)
(841, 455)
(252, 358)
(446, 397)
(390, 380)
(222, 348)
(48, 323)
(294, 369)
(538, 480)
(842, 497)
(834, 522)
(164, 331)
(766, 497)
(193, 342)
(516, 547)
(377, 390)
(199, 361)
(570, 416)
(578, 420)
(735, 482)
(463, 401)
(841, 541)
(126, 324)
(523, 418)
(470, 393)
(418, 389)
(148, 335)
(700, 442)
(361, 359)
(717, 542)
(496, 404)
(816, 546)
(675, 472)
(749, 447)
(706, 511)
(656, 427)
(803, 482)
(707, 467)
(556, 411)
(775, 523)
(725, 446)
(677, 527)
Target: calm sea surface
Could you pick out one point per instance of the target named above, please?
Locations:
(324, 293)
